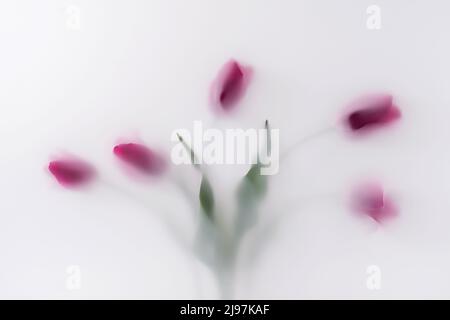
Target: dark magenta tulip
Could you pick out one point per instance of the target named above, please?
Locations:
(371, 111)
(230, 85)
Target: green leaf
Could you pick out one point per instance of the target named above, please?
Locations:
(251, 191)
(194, 158)
(206, 197)
(256, 182)
(269, 140)
(253, 180)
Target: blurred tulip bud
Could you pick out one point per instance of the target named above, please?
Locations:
(230, 85)
(140, 158)
(71, 172)
(371, 111)
(370, 200)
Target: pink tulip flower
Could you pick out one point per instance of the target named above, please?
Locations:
(370, 199)
(71, 172)
(371, 111)
(230, 85)
(140, 157)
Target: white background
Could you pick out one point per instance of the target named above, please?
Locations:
(141, 69)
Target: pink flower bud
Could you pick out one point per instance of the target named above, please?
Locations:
(371, 111)
(140, 158)
(71, 172)
(369, 199)
(230, 85)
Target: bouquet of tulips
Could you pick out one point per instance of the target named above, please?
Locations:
(215, 245)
